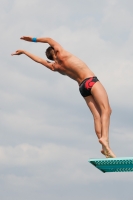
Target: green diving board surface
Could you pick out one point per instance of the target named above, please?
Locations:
(113, 164)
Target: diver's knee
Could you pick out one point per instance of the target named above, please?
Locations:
(107, 111)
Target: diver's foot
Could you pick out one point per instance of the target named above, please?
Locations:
(102, 151)
(106, 149)
(105, 153)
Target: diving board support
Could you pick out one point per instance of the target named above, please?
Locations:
(113, 164)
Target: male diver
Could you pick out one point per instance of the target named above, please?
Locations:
(89, 86)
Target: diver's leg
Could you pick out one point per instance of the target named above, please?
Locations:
(97, 118)
(96, 114)
(100, 96)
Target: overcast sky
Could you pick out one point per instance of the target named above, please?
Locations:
(46, 129)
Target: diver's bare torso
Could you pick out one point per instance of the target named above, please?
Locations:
(68, 64)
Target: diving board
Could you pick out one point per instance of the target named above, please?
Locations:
(113, 164)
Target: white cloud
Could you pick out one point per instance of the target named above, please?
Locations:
(68, 163)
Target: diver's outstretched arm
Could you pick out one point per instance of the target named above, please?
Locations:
(48, 40)
(35, 58)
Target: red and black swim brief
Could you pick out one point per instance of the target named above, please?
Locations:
(86, 85)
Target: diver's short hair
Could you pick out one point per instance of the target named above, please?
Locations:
(49, 53)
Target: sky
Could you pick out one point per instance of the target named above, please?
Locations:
(46, 130)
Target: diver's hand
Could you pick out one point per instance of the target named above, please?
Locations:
(26, 38)
(18, 52)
